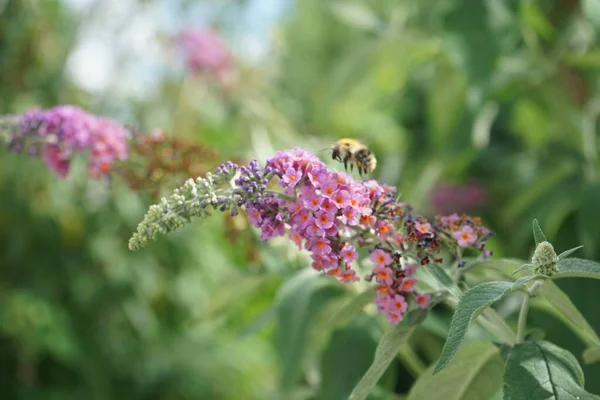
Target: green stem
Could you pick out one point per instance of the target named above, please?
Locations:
(411, 361)
(522, 326)
(282, 196)
(498, 326)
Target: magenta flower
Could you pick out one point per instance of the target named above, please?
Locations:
(422, 300)
(329, 187)
(408, 284)
(423, 227)
(319, 246)
(349, 253)
(296, 238)
(465, 236)
(383, 275)
(313, 201)
(317, 177)
(398, 238)
(383, 303)
(350, 216)
(204, 51)
(302, 219)
(314, 230)
(294, 207)
(398, 304)
(329, 206)
(255, 216)
(380, 257)
(384, 229)
(324, 261)
(347, 276)
(324, 220)
(341, 198)
(395, 318)
(291, 177)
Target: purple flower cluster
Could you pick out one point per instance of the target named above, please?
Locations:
(449, 198)
(56, 134)
(332, 216)
(467, 232)
(204, 51)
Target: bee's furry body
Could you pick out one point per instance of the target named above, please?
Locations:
(353, 152)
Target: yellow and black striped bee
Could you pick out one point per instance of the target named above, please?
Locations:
(353, 152)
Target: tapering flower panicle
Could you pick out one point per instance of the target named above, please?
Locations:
(331, 216)
(193, 199)
(58, 133)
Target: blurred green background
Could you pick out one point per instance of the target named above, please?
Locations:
(483, 106)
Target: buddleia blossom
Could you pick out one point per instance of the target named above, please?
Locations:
(332, 216)
(159, 161)
(449, 198)
(463, 232)
(204, 51)
(58, 133)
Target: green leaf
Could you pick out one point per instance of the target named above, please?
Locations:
(476, 373)
(357, 303)
(469, 307)
(504, 265)
(577, 268)
(591, 355)
(386, 352)
(522, 268)
(345, 360)
(561, 302)
(298, 304)
(567, 253)
(538, 235)
(541, 370)
(440, 274)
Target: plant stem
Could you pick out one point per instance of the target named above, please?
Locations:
(522, 326)
(411, 361)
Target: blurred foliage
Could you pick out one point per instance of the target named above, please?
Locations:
(503, 92)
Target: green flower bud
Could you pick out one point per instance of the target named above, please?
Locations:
(544, 260)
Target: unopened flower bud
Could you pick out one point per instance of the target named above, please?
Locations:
(544, 259)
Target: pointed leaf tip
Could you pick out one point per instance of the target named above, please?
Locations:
(538, 235)
(567, 253)
(522, 268)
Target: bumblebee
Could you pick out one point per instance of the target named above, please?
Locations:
(353, 152)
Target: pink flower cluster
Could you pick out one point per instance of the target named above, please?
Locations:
(204, 51)
(331, 215)
(467, 231)
(449, 198)
(56, 134)
(335, 218)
